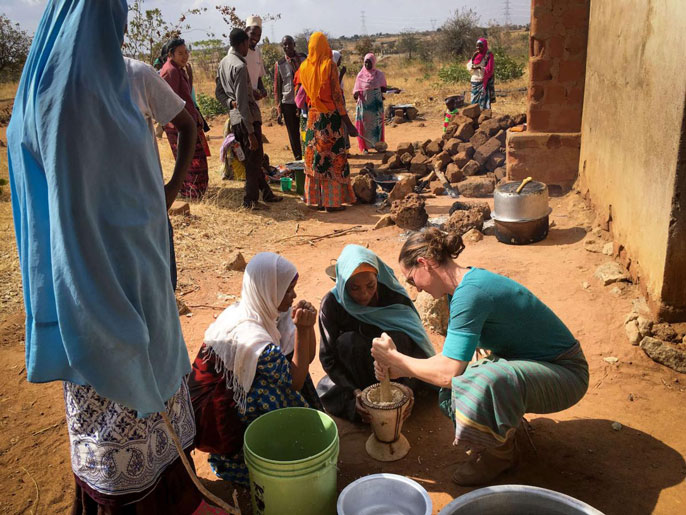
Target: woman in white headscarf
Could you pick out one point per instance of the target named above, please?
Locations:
(255, 358)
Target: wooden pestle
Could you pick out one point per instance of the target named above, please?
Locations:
(385, 394)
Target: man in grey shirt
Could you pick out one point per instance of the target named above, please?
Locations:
(234, 89)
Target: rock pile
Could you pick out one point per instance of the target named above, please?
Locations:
(471, 154)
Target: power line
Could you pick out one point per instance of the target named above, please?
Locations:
(507, 13)
(363, 29)
(433, 23)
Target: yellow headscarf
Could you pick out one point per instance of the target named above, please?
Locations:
(315, 72)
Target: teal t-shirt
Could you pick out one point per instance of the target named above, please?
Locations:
(495, 313)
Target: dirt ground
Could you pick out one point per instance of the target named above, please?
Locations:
(637, 469)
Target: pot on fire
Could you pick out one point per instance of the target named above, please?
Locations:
(520, 212)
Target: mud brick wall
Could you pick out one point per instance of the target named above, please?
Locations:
(557, 64)
(549, 149)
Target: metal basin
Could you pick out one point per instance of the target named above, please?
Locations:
(384, 494)
(530, 204)
(517, 500)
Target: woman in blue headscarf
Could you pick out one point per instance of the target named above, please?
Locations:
(366, 301)
(91, 227)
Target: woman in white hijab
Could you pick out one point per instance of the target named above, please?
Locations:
(255, 358)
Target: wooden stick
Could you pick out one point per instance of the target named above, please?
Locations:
(385, 394)
(206, 493)
(35, 505)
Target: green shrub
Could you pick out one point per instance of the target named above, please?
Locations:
(210, 106)
(454, 73)
(506, 68)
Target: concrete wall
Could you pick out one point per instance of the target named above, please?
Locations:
(632, 138)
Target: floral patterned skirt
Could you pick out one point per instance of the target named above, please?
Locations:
(327, 172)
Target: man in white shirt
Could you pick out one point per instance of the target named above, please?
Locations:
(157, 102)
(254, 58)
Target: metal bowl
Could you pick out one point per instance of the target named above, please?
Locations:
(517, 500)
(384, 494)
(530, 204)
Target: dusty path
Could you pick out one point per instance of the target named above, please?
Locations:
(638, 469)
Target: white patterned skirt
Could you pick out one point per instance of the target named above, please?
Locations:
(112, 450)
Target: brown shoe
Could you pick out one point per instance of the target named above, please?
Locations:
(485, 466)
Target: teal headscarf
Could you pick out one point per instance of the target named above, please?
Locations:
(396, 317)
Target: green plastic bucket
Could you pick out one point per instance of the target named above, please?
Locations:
(286, 183)
(291, 454)
(300, 182)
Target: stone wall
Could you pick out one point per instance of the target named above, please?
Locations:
(549, 149)
(633, 145)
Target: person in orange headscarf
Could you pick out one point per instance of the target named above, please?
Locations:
(327, 173)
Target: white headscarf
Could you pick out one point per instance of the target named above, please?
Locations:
(244, 329)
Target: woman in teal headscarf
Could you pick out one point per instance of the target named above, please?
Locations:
(366, 301)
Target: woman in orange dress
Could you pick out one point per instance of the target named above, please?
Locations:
(327, 173)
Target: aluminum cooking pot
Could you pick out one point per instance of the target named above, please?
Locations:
(520, 201)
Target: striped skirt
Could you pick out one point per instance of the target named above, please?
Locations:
(487, 402)
(483, 96)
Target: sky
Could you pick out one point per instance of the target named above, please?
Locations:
(335, 17)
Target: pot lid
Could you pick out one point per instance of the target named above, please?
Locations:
(529, 188)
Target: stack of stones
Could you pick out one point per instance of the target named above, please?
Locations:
(471, 153)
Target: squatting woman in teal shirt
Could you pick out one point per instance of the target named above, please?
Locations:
(535, 363)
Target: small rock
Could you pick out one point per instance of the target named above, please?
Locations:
(479, 138)
(585, 285)
(402, 188)
(461, 159)
(437, 188)
(412, 113)
(435, 313)
(472, 111)
(477, 187)
(235, 262)
(409, 212)
(610, 359)
(181, 306)
(591, 244)
(473, 236)
(453, 173)
(384, 221)
(665, 332)
(462, 221)
(180, 207)
(406, 158)
(467, 148)
(452, 146)
(421, 124)
(608, 248)
(381, 146)
(611, 272)
(616, 426)
(630, 397)
(471, 168)
(632, 332)
(617, 291)
(405, 147)
(364, 188)
(664, 354)
(645, 326)
(434, 147)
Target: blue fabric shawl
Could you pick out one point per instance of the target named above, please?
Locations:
(90, 218)
(396, 317)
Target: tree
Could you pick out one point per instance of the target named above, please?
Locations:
(408, 42)
(364, 45)
(458, 35)
(14, 49)
(148, 30)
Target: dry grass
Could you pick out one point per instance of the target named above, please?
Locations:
(8, 90)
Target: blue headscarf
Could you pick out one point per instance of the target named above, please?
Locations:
(89, 215)
(396, 317)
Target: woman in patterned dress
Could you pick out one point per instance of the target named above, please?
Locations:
(255, 359)
(370, 85)
(327, 173)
